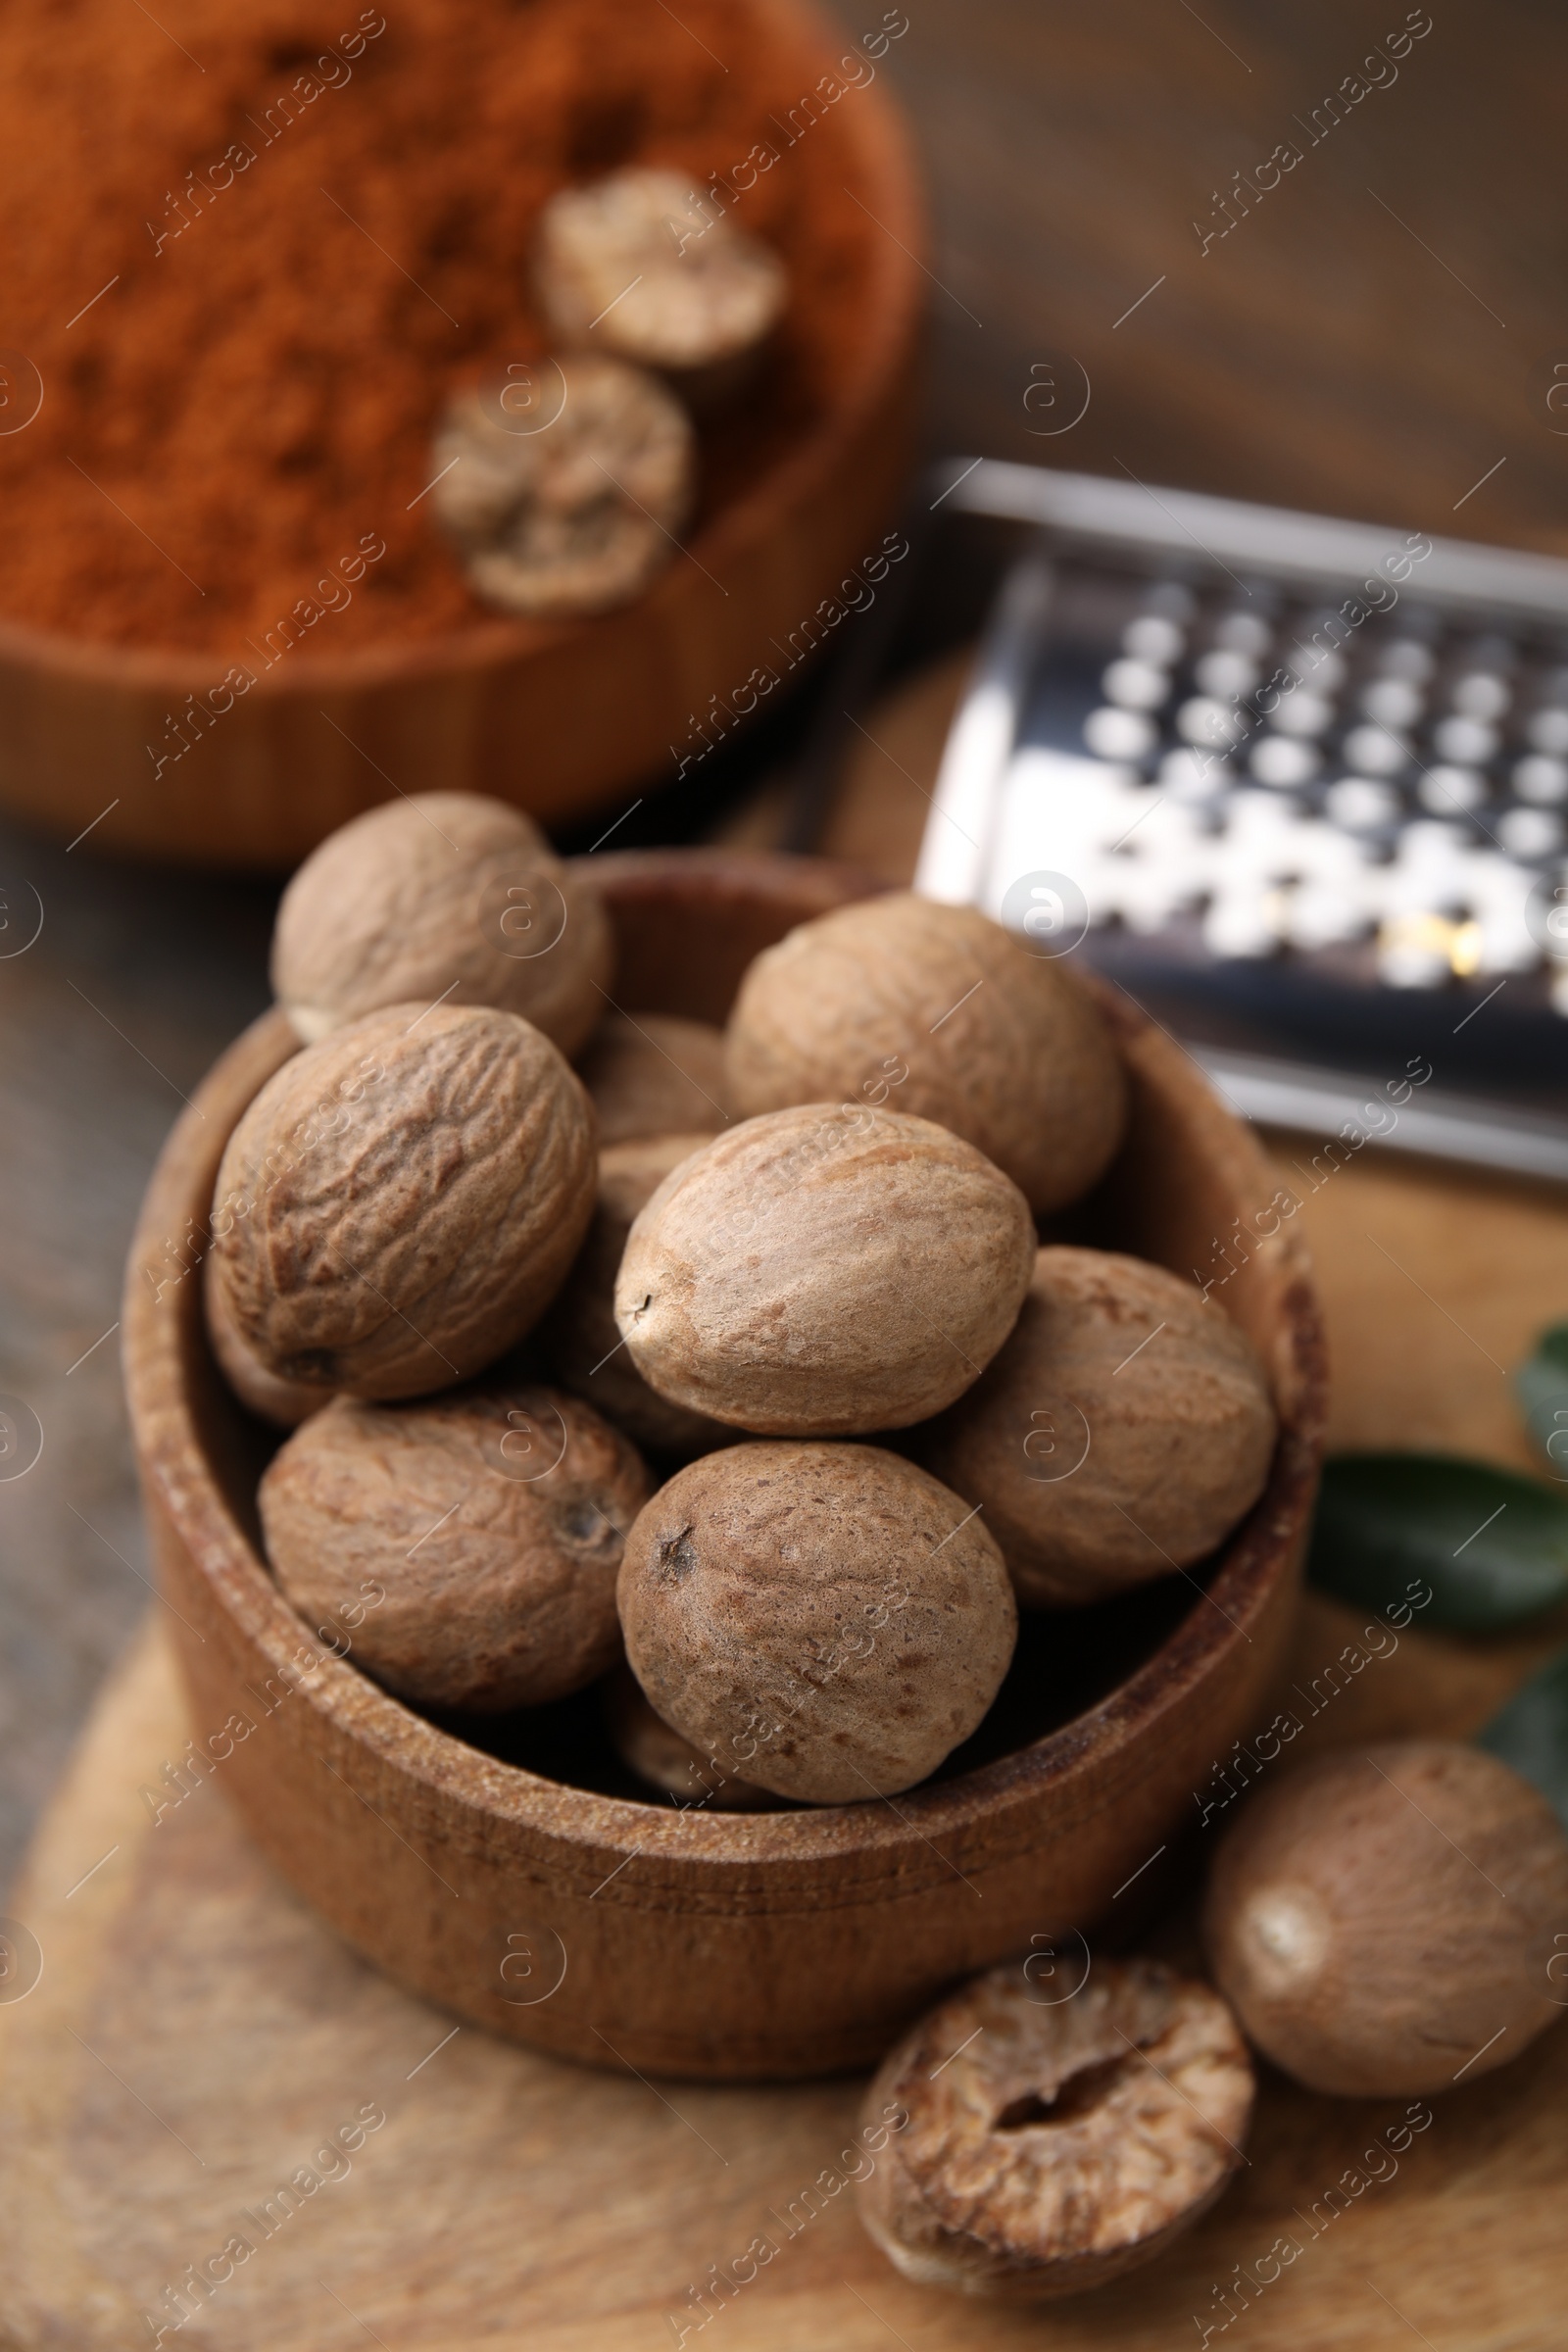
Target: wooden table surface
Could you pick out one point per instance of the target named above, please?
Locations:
(1370, 339)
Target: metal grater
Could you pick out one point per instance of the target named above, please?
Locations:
(1272, 759)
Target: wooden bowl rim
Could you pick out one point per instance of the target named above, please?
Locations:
(177, 1468)
(879, 137)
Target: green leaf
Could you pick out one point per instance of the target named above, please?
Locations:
(1543, 1389)
(1489, 1545)
(1531, 1732)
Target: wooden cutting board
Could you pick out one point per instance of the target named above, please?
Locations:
(196, 2037)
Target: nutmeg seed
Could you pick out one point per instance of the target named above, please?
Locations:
(648, 1747)
(824, 1620)
(1120, 1433)
(653, 1073)
(1051, 2144)
(585, 1350)
(936, 1010)
(400, 1203)
(283, 1402)
(636, 262)
(1386, 1919)
(556, 516)
(490, 1521)
(824, 1271)
(441, 896)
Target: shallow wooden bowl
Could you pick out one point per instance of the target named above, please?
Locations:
(721, 1945)
(553, 715)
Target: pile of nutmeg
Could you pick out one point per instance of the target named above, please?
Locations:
(795, 1266)
(798, 1259)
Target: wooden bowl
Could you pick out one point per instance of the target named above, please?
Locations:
(720, 1946)
(553, 715)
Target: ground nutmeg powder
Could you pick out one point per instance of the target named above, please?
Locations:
(271, 235)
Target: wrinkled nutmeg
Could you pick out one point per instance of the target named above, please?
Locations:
(283, 1402)
(655, 1074)
(400, 1203)
(1387, 1919)
(575, 513)
(1049, 2148)
(491, 1521)
(639, 266)
(1121, 1432)
(824, 1619)
(586, 1351)
(649, 1748)
(937, 1011)
(441, 894)
(824, 1271)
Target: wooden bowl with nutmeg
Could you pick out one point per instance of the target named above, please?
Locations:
(506, 1862)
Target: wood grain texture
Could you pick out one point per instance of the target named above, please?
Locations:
(135, 982)
(719, 1944)
(1370, 339)
(553, 715)
(198, 2034)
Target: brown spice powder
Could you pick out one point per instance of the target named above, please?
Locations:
(248, 393)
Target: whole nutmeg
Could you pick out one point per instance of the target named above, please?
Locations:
(441, 894)
(823, 1619)
(1386, 1920)
(939, 1012)
(490, 1522)
(655, 1074)
(283, 1402)
(824, 1271)
(400, 1203)
(1121, 1432)
(1039, 2146)
(646, 1746)
(586, 1352)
